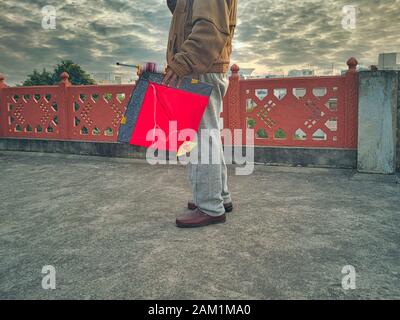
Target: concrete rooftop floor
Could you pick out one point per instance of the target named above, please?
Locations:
(107, 226)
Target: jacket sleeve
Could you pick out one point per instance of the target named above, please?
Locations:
(210, 33)
(171, 5)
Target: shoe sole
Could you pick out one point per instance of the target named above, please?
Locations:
(180, 225)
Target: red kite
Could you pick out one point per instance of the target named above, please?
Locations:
(156, 114)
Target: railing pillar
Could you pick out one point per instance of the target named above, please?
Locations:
(64, 111)
(2, 84)
(3, 107)
(232, 110)
(351, 104)
(377, 124)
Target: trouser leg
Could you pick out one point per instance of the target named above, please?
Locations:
(209, 179)
(226, 196)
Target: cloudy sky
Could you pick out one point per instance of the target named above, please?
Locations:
(272, 36)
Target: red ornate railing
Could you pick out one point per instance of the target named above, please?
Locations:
(64, 112)
(303, 112)
(295, 112)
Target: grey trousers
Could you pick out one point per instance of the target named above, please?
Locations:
(208, 180)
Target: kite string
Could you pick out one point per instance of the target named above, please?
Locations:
(155, 115)
(154, 110)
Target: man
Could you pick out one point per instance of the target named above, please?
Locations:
(200, 45)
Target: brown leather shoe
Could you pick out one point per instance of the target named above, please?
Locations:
(228, 206)
(197, 218)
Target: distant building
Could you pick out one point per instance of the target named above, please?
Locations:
(113, 78)
(301, 73)
(272, 76)
(325, 71)
(389, 61)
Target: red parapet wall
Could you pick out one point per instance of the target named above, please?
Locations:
(295, 112)
(31, 112)
(96, 111)
(318, 112)
(63, 112)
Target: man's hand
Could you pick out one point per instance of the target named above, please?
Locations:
(139, 71)
(171, 78)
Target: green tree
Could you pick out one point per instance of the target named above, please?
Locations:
(39, 79)
(77, 75)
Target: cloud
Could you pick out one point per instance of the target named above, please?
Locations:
(271, 34)
(287, 34)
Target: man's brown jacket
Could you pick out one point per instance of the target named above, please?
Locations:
(200, 37)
